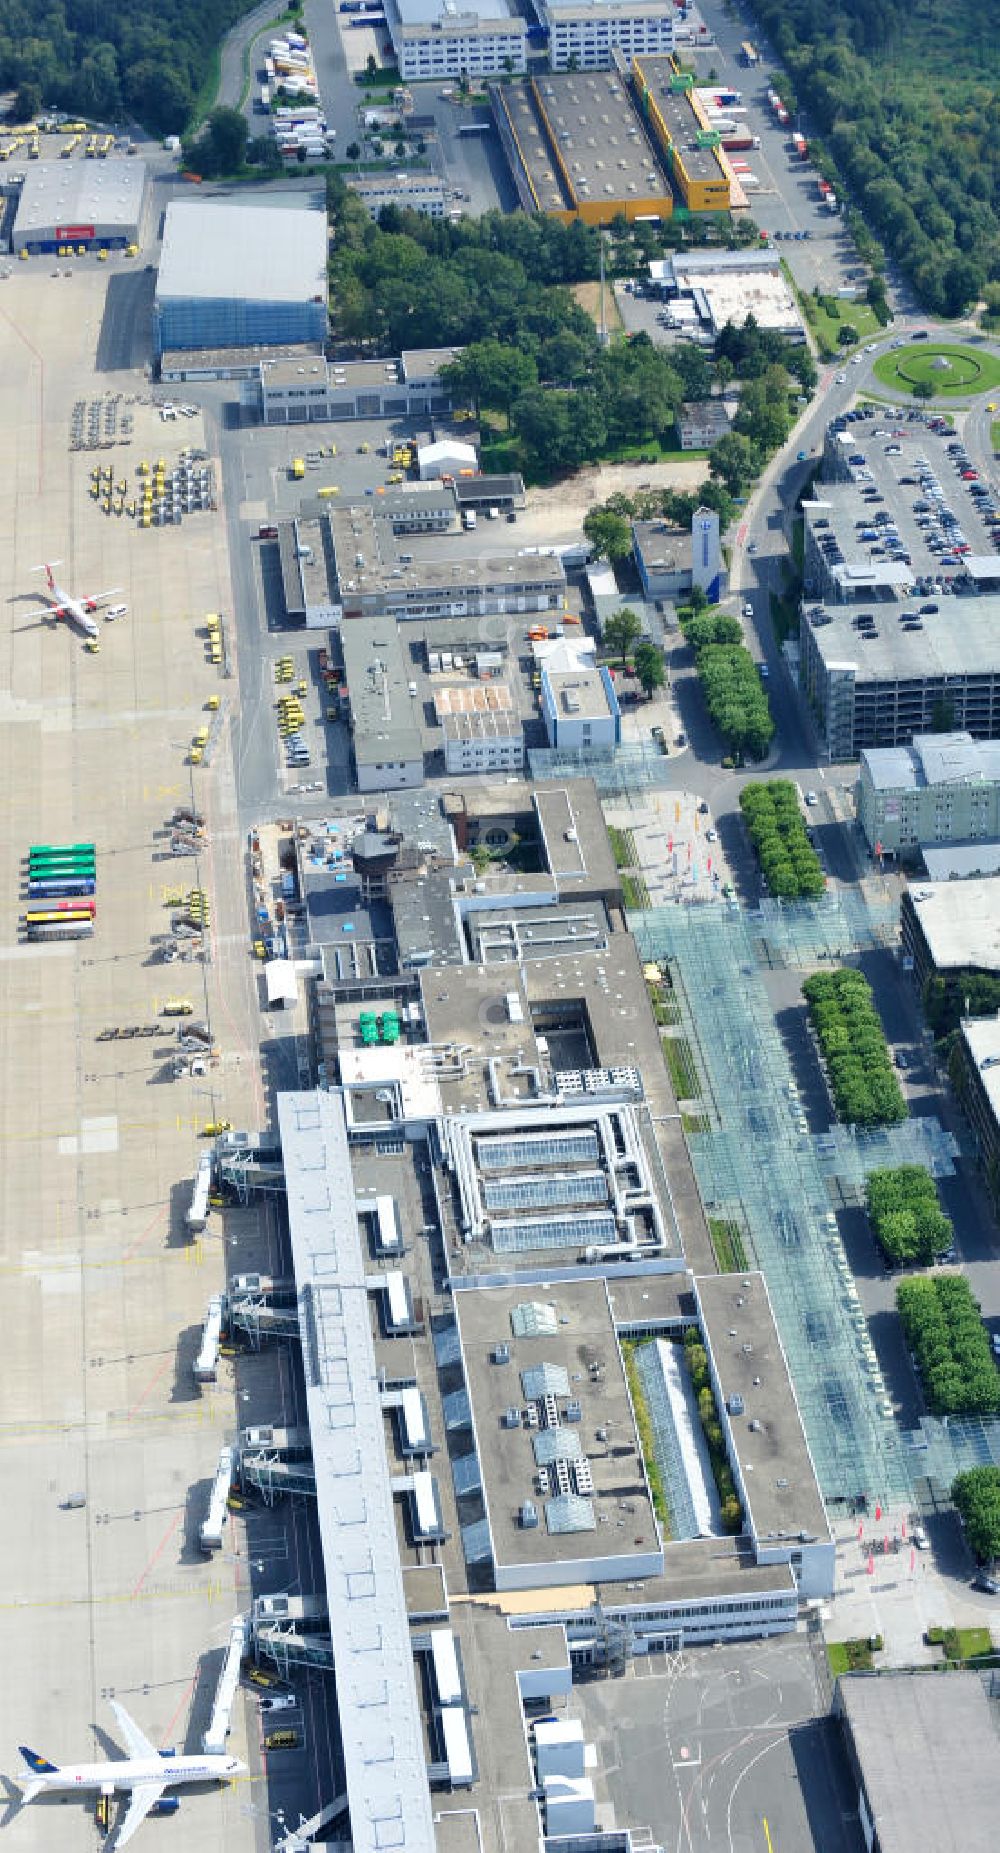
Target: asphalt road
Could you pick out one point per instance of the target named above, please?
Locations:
(705, 1748)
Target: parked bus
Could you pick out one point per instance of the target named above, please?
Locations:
(51, 916)
(55, 865)
(59, 849)
(49, 887)
(64, 926)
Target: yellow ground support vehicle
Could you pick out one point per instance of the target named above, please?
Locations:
(195, 756)
(213, 702)
(92, 646)
(201, 737)
(297, 469)
(177, 1007)
(394, 477)
(330, 489)
(212, 1128)
(283, 1740)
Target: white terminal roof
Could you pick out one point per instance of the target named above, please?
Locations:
(961, 926)
(215, 252)
(380, 1722)
(455, 13)
(100, 193)
(445, 451)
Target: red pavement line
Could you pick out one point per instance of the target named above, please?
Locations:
(164, 1541)
(140, 1399)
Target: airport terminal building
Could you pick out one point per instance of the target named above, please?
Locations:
(240, 277)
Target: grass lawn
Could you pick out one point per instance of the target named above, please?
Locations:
(995, 436)
(728, 1244)
(826, 328)
(681, 1064)
(635, 893)
(849, 1657)
(623, 848)
(961, 1643)
(588, 295)
(966, 371)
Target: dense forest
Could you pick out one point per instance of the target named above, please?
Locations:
(145, 61)
(905, 95)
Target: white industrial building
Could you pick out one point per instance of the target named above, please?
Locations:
(455, 38)
(97, 204)
(727, 286)
(481, 727)
(583, 34)
(448, 457)
(307, 389)
(240, 277)
(417, 192)
(580, 709)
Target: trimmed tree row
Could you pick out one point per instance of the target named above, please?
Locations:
(907, 1220)
(950, 1344)
(852, 1042)
(777, 830)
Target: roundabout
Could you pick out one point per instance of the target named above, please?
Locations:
(949, 369)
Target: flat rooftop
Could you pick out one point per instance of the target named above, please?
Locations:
(933, 759)
(370, 564)
(385, 1769)
(961, 639)
(383, 719)
(929, 1756)
(574, 835)
(778, 1473)
(582, 1354)
(214, 252)
(960, 927)
(982, 1039)
(579, 694)
(461, 15)
(603, 150)
(293, 370)
(663, 549)
(105, 194)
(680, 119)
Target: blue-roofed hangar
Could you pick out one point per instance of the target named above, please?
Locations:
(240, 277)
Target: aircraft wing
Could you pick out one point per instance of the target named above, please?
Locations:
(143, 1797)
(97, 598)
(139, 1745)
(44, 611)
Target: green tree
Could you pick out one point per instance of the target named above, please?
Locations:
(27, 102)
(847, 335)
(493, 374)
(371, 67)
(649, 668)
(353, 151)
(733, 460)
(923, 390)
(608, 533)
(976, 1494)
(621, 631)
(222, 145)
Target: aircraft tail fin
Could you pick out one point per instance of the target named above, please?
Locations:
(38, 1765)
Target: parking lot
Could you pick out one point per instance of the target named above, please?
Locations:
(106, 1294)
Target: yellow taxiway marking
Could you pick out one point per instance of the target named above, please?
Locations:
(767, 1836)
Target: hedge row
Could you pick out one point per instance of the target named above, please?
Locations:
(697, 1363)
(951, 1345)
(907, 1220)
(777, 830)
(977, 1496)
(850, 1035)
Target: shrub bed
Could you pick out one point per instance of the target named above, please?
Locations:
(977, 1496)
(950, 1343)
(907, 1220)
(777, 830)
(852, 1041)
(697, 1363)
